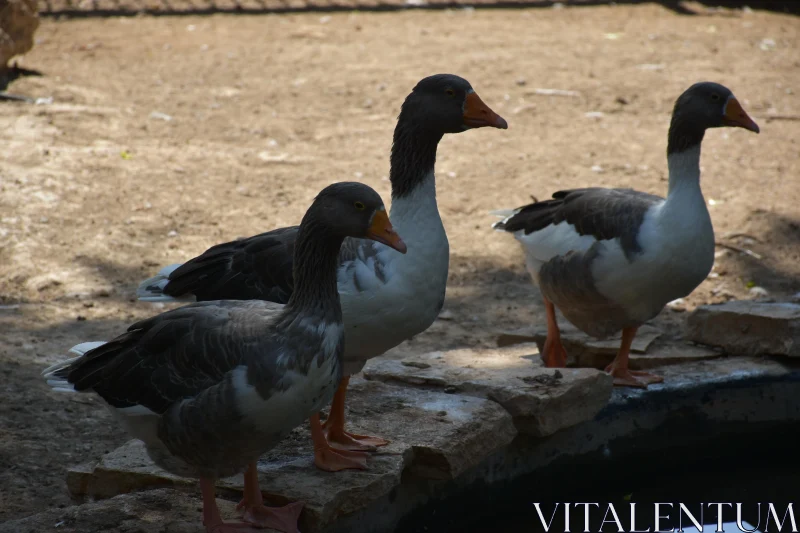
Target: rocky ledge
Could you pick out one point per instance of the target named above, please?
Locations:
(456, 420)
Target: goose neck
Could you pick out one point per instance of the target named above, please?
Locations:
(316, 259)
(684, 170)
(413, 156)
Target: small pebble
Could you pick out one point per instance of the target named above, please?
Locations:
(767, 44)
(758, 292)
(678, 306)
(446, 315)
(160, 116)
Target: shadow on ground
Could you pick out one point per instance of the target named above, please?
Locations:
(45, 432)
(779, 245)
(123, 278)
(10, 74)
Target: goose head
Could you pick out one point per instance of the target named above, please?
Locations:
(712, 105)
(446, 103)
(702, 106)
(352, 209)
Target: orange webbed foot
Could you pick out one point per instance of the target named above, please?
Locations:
(632, 378)
(333, 460)
(279, 518)
(340, 439)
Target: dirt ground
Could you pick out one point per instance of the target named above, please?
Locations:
(167, 135)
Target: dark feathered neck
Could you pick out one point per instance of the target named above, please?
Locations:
(684, 134)
(316, 260)
(413, 154)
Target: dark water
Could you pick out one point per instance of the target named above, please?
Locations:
(762, 466)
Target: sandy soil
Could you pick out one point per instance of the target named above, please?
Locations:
(167, 135)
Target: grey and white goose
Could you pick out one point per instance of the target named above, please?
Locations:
(386, 298)
(610, 259)
(211, 386)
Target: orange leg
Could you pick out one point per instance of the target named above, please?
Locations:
(619, 366)
(554, 355)
(331, 459)
(256, 513)
(334, 426)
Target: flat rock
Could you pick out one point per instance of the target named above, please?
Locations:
(541, 400)
(663, 354)
(155, 511)
(433, 436)
(748, 328)
(647, 351)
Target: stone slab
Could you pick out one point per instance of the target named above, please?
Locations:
(541, 400)
(732, 397)
(748, 328)
(434, 436)
(649, 349)
(154, 511)
(730, 390)
(705, 407)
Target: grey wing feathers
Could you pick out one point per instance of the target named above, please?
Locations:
(599, 212)
(174, 355)
(361, 251)
(259, 267)
(256, 268)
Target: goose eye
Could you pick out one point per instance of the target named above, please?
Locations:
(714, 96)
(360, 206)
(450, 92)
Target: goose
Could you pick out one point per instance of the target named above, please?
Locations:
(211, 386)
(386, 298)
(611, 259)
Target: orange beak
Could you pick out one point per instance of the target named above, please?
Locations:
(477, 114)
(381, 230)
(735, 116)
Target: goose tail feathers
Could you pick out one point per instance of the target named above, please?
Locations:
(152, 289)
(56, 375)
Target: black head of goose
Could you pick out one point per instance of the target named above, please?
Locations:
(341, 210)
(704, 106)
(211, 386)
(371, 279)
(610, 259)
(438, 105)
